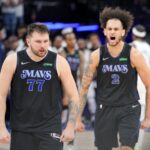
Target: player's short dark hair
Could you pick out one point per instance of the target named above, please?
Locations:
(67, 34)
(124, 16)
(93, 34)
(37, 27)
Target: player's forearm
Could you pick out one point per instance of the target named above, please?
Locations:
(86, 80)
(147, 112)
(83, 100)
(81, 72)
(73, 111)
(2, 112)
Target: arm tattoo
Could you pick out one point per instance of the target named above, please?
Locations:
(86, 80)
(83, 103)
(73, 111)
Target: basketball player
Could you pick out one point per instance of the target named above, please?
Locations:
(73, 56)
(75, 60)
(117, 65)
(36, 76)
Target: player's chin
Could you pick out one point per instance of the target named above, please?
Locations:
(42, 54)
(113, 43)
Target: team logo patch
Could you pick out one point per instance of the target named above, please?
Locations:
(123, 59)
(47, 65)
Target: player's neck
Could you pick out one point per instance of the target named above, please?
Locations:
(115, 50)
(71, 50)
(33, 56)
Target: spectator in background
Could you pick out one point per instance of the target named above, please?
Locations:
(94, 41)
(13, 43)
(19, 9)
(57, 44)
(83, 47)
(73, 55)
(81, 44)
(21, 32)
(138, 36)
(9, 15)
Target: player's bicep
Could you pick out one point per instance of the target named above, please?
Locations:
(144, 73)
(142, 67)
(6, 74)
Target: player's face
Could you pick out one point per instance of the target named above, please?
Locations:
(94, 39)
(38, 43)
(58, 42)
(114, 32)
(71, 40)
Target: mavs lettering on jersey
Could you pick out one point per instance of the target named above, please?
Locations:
(74, 63)
(44, 74)
(123, 68)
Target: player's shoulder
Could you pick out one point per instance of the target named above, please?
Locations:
(135, 53)
(11, 58)
(96, 53)
(10, 62)
(62, 52)
(61, 61)
(136, 57)
(61, 64)
(95, 57)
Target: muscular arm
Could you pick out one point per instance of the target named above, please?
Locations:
(6, 75)
(138, 61)
(87, 78)
(69, 88)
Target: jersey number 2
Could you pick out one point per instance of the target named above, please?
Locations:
(115, 79)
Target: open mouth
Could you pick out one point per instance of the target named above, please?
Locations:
(42, 50)
(112, 38)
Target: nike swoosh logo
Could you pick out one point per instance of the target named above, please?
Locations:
(134, 106)
(24, 63)
(55, 136)
(105, 58)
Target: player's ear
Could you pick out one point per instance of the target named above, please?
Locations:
(104, 31)
(28, 40)
(123, 33)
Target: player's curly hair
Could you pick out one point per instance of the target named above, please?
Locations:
(124, 16)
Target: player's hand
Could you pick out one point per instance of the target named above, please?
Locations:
(145, 124)
(4, 136)
(79, 125)
(68, 134)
